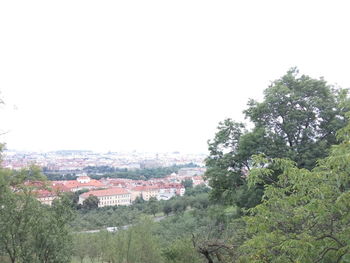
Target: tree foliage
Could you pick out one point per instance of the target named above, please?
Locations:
(91, 202)
(305, 215)
(187, 183)
(137, 244)
(30, 231)
(97, 172)
(301, 116)
(297, 119)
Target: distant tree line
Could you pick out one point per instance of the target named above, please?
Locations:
(98, 172)
(58, 175)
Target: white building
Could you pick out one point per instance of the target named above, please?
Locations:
(109, 197)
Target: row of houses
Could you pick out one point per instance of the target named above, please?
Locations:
(125, 196)
(111, 192)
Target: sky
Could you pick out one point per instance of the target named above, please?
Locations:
(154, 76)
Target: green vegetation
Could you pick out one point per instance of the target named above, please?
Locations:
(91, 218)
(177, 237)
(136, 244)
(188, 183)
(298, 120)
(166, 241)
(285, 170)
(91, 202)
(30, 231)
(136, 174)
(58, 175)
(305, 215)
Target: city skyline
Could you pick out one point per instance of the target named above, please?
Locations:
(79, 160)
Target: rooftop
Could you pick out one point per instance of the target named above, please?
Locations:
(106, 192)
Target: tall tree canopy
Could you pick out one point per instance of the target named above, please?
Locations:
(305, 215)
(297, 119)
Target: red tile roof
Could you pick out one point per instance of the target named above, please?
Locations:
(145, 188)
(60, 187)
(44, 193)
(71, 184)
(106, 192)
(47, 187)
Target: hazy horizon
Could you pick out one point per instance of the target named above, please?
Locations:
(104, 152)
(154, 76)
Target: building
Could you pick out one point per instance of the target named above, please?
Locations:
(109, 197)
(45, 192)
(144, 191)
(198, 180)
(172, 188)
(45, 197)
(160, 191)
(82, 182)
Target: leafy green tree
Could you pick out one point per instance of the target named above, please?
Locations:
(94, 252)
(144, 247)
(301, 116)
(227, 167)
(297, 119)
(17, 218)
(201, 201)
(75, 197)
(305, 215)
(30, 231)
(179, 206)
(198, 189)
(139, 200)
(81, 246)
(167, 208)
(52, 239)
(181, 250)
(188, 183)
(152, 206)
(91, 202)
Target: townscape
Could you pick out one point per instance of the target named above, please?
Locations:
(284, 181)
(111, 192)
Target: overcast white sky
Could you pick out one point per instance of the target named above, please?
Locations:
(154, 75)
